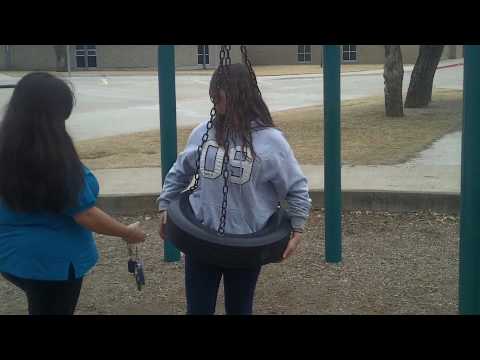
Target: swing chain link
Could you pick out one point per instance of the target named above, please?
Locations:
(247, 62)
(226, 145)
(199, 152)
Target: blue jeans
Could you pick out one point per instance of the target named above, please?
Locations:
(203, 280)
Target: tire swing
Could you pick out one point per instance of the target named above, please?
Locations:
(191, 237)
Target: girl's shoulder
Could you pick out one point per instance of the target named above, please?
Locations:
(87, 173)
(198, 132)
(90, 178)
(270, 135)
(270, 142)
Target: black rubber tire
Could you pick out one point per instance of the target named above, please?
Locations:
(230, 250)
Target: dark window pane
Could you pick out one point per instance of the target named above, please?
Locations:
(91, 46)
(80, 52)
(308, 48)
(92, 61)
(80, 61)
(345, 56)
(353, 47)
(79, 47)
(200, 49)
(207, 59)
(200, 59)
(301, 57)
(301, 48)
(206, 49)
(308, 57)
(92, 52)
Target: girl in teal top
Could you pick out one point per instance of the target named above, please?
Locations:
(47, 199)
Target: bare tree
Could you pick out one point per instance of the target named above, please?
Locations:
(393, 78)
(421, 83)
(61, 57)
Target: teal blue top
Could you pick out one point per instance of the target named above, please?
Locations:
(42, 245)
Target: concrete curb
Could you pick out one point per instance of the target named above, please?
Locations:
(394, 201)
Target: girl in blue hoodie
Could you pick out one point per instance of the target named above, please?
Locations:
(263, 171)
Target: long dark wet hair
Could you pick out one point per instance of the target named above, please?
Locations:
(39, 167)
(245, 108)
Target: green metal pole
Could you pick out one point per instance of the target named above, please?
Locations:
(168, 123)
(332, 144)
(469, 274)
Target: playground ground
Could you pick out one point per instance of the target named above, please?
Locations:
(403, 263)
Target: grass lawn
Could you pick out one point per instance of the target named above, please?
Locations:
(368, 137)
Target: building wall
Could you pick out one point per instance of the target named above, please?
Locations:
(280, 54)
(33, 57)
(126, 56)
(366, 54)
(375, 54)
(42, 57)
(145, 56)
(186, 56)
(3, 55)
(455, 51)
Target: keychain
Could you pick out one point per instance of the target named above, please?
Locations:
(135, 267)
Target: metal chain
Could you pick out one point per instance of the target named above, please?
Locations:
(246, 60)
(199, 151)
(223, 71)
(226, 146)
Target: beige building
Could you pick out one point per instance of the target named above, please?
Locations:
(357, 54)
(85, 57)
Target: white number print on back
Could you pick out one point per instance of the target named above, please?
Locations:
(211, 162)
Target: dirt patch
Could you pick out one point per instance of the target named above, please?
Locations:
(368, 136)
(393, 263)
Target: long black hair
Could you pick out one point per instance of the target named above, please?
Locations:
(39, 167)
(245, 106)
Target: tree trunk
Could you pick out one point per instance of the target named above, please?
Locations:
(393, 76)
(61, 56)
(421, 83)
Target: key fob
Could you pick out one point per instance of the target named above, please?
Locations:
(131, 266)
(139, 276)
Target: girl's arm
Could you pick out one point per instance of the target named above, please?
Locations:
(182, 171)
(283, 171)
(98, 221)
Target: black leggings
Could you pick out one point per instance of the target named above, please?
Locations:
(202, 282)
(49, 297)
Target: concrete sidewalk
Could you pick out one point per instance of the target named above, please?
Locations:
(401, 178)
(400, 188)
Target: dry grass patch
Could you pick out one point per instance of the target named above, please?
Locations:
(368, 137)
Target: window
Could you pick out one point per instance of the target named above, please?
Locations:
(201, 52)
(349, 53)
(86, 56)
(304, 53)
